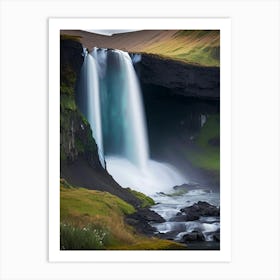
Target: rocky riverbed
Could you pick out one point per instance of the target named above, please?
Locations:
(191, 215)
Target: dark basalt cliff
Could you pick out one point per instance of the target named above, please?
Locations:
(181, 78)
(79, 162)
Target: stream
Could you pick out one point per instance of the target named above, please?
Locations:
(168, 206)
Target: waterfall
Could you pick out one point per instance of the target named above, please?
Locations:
(89, 102)
(111, 99)
(125, 111)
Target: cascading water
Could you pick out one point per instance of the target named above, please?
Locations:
(125, 110)
(110, 74)
(89, 101)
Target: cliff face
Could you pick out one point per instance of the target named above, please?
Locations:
(79, 161)
(180, 78)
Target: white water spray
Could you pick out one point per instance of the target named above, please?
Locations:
(136, 143)
(91, 108)
(122, 126)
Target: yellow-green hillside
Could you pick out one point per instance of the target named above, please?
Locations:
(91, 220)
(200, 47)
(197, 47)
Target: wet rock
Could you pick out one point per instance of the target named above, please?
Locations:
(141, 221)
(184, 218)
(168, 235)
(186, 187)
(199, 209)
(181, 78)
(195, 235)
(141, 227)
(216, 235)
(148, 215)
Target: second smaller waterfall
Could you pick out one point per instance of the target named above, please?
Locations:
(89, 101)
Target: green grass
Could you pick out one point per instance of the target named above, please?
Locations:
(91, 202)
(201, 47)
(146, 201)
(91, 219)
(82, 208)
(87, 238)
(210, 130)
(200, 55)
(204, 155)
(208, 159)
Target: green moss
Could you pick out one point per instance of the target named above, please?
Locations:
(79, 146)
(67, 102)
(210, 130)
(206, 158)
(177, 193)
(66, 90)
(146, 201)
(85, 121)
(91, 202)
(68, 80)
(203, 154)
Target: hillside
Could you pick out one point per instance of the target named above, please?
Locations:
(200, 47)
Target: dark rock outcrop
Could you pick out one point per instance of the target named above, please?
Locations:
(216, 236)
(195, 235)
(141, 219)
(71, 54)
(148, 215)
(190, 187)
(183, 79)
(197, 210)
(171, 235)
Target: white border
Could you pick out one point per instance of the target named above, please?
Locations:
(224, 254)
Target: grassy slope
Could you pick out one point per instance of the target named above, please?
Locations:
(95, 220)
(195, 47)
(204, 155)
(190, 46)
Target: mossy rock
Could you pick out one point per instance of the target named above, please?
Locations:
(146, 201)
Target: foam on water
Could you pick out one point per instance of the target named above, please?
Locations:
(156, 177)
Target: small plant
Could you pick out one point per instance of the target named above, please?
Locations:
(88, 237)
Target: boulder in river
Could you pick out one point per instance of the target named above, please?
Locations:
(195, 235)
(199, 209)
